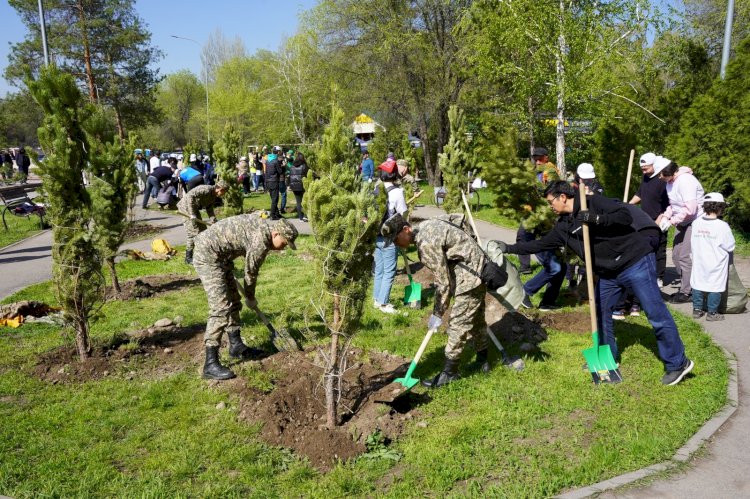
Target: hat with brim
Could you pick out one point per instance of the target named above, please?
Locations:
(648, 159)
(539, 152)
(714, 197)
(660, 162)
(586, 171)
(287, 231)
(392, 227)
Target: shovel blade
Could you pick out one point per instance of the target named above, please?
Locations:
(413, 295)
(601, 362)
(390, 392)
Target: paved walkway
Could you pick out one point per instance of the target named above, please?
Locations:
(722, 472)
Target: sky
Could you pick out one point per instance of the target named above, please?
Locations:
(261, 24)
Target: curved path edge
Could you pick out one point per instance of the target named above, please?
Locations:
(683, 454)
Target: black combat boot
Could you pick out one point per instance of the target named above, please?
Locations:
(212, 369)
(189, 257)
(483, 361)
(449, 373)
(238, 349)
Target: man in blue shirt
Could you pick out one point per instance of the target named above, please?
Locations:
(368, 167)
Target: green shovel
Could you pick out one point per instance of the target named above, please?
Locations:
(412, 292)
(401, 386)
(601, 363)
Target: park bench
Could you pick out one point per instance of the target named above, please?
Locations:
(14, 199)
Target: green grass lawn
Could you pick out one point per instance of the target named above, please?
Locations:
(526, 434)
(18, 228)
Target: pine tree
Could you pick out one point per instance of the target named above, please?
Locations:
(513, 181)
(226, 153)
(455, 162)
(345, 218)
(112, 190)
(76, 261)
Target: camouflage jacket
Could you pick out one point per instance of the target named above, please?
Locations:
(242, 235)
(201, 197)
(452, 255)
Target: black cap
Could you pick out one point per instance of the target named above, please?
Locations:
(540, 151)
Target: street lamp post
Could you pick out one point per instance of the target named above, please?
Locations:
(44, 33)
(205, 73)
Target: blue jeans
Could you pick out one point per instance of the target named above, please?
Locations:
(255, 179)
(152, 187)
(282, 192)
(385, 270)
(641, 278)
(551, 275)
(713, 300)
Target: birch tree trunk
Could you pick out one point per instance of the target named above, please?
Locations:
(560, 53)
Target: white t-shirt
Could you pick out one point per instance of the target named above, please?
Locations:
(396, 201)
(154, 163)
(711, 243)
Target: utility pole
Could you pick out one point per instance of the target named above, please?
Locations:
(727, 39)
(205, 72)
(44, 33)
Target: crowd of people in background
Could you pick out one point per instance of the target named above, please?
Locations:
(12, 160)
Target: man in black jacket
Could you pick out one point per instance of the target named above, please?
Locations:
(623, 259)
(274, 176)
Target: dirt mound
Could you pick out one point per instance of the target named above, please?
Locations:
(140, 230)
(154, 285)
(293, 413)
(154, 351)
(577, 322)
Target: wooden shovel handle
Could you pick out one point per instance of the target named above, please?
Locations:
(587, 259)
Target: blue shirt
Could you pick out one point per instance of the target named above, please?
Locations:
(368, 169)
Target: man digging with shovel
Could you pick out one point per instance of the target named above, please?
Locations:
(622, 259)
(457, 262)
(215, 251)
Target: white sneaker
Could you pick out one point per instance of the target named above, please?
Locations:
(660, 283)
(388, 309)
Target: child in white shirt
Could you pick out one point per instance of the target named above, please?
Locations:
(711, 244)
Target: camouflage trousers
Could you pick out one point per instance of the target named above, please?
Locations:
(193, 228)
(467, 322)
(224, 301)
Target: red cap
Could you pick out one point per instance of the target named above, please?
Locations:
(388, 166)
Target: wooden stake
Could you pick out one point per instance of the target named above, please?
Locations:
(627, 179)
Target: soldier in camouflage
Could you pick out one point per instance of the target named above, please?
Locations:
(215, 251)
(457, 261)
(201, 197)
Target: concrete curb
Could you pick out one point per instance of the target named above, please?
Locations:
(682, 455)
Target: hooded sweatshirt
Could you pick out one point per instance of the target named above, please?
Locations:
(685, 198)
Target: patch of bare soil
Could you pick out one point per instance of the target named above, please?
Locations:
(577, 322)
(145, 287)
(155, 351)
(140, 230)
(293, 413)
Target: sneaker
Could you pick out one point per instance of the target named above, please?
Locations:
(524, 270)
(635, 311)
(674, 377)
(697, 314)
(547, 308)
(526, 302)
(618, 315)
(714, 316)
(304, 219)
(660, 282)
(387, 309)
(680, 298)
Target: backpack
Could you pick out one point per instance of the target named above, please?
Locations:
(388, 211)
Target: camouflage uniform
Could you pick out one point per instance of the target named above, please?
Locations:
(215, 250)
(409, 180)
(201, 197)
(456, 260)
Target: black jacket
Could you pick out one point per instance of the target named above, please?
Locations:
(615, 245)
(162, 173)
(274, 172)
(296, 174)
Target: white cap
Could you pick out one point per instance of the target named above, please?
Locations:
(586, 171)
(193, 157)
(243, 158)
(648, 158)
(715, 197)
(660, 162)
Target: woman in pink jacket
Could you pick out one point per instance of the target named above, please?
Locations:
(685, 205)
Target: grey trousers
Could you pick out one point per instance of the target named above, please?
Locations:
(681, 256)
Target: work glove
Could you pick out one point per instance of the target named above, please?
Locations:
(587, 217)
(665, 224)
(501, 246)
(434, 322)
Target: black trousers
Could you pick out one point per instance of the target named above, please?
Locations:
(273, 191)
(523, 236)
(298, 197)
